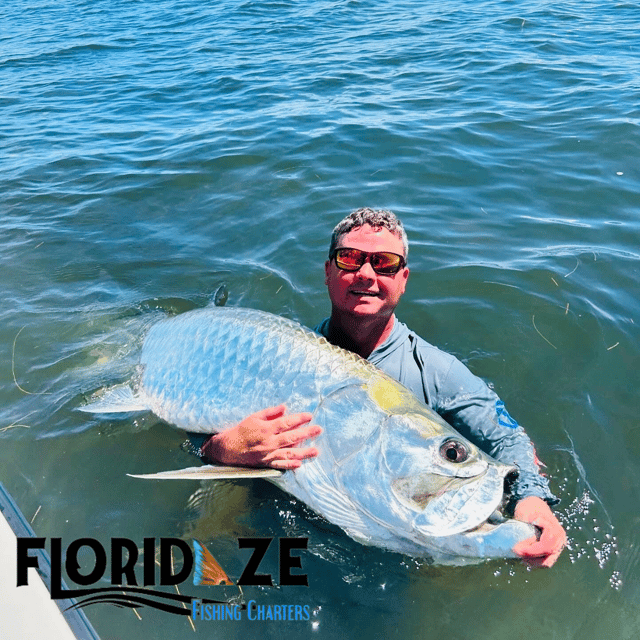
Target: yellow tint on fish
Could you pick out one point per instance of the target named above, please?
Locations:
(391, 397)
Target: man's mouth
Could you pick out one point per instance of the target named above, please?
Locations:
(359, 292)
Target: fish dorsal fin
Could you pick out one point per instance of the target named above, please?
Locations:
(220, 296)
(210, 472)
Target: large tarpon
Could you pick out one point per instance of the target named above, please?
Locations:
(390, 472)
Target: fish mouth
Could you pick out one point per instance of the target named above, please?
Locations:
(497, 520)
(494, 520)
(496, 537)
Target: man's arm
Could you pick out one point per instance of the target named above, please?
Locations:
(479, 414)
(268, 438)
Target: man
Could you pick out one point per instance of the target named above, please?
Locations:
(366, 275)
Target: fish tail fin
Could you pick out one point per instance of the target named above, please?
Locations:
(208, 571)
(120, 399)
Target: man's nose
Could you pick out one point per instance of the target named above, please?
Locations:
(366, 271)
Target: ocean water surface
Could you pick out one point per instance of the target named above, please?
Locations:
(154, 151)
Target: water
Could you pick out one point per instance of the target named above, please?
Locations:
(153, 151)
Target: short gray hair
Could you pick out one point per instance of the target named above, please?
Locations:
(377, 218)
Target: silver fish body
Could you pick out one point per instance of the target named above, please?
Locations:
(390, 471)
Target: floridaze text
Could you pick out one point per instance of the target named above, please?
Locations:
(125, 589)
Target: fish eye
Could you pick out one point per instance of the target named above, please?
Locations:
(454, 451)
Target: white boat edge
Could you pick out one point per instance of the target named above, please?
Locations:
(28, 612)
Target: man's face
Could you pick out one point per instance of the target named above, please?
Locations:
(364, 293)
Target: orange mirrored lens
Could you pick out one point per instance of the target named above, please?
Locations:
(386, 261)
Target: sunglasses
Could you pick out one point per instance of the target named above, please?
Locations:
(384, 263)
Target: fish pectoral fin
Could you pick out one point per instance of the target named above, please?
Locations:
(210, 472)
(118, 399)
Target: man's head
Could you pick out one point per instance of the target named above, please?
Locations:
(378, 219)
(367, 288)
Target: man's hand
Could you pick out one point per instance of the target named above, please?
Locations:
(545, 551)
(267, 438)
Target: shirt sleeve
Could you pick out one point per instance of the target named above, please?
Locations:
(468, 404)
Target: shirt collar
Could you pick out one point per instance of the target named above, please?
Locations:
(394, 340)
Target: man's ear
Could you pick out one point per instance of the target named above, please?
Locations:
(327, 266)
(405, 275)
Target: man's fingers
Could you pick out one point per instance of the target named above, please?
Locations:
(285, 465)
(543, 552)
(534, 549)
(550, 561)
(279, 422)
(294, 421)
(294, 437)
(271, 413)
(290, 458)
(523, 548)
(550, 541)
(539, 560)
